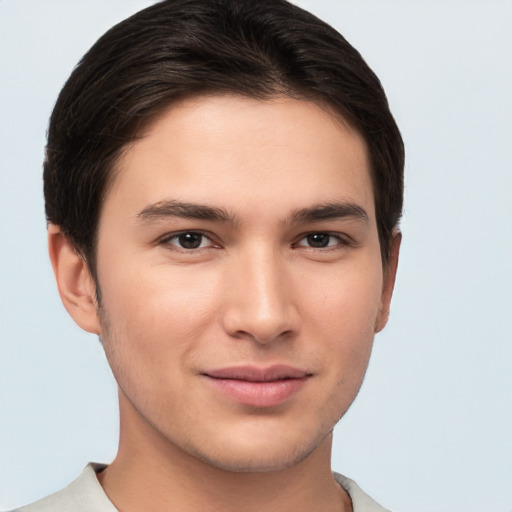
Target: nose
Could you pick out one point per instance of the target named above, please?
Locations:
(259, 299)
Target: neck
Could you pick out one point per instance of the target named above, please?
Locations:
(152, 473)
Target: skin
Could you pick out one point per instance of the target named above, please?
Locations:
(271, 282)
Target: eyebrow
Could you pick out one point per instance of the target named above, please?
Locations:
(174, 208)
(328, 211)
(316, 213)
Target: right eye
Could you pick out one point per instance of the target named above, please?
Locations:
(188, 241)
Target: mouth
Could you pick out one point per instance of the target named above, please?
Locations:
(258, 387)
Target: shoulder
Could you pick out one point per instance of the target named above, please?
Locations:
(85, 494)
(361, 502)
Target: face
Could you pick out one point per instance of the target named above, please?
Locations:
(241, 279)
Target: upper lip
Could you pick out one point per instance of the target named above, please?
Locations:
(258, 374)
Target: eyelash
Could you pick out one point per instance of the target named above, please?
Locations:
(167, 240)
(340, 241)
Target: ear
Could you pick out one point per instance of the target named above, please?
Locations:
(76, 286)
(389, 281)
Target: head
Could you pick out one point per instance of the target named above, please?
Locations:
(223, 184)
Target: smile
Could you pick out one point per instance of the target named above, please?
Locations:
(258, 387)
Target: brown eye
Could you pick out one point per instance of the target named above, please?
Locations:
(190, 240)
(318, 240)
(322, 240)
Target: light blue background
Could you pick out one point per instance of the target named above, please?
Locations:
(431, 429)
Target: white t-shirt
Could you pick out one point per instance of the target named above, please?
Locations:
(85, 494)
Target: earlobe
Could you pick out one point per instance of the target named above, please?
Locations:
(74, 282)
(389, 281)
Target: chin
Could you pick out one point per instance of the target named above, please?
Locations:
(256, 457)
(257, 463)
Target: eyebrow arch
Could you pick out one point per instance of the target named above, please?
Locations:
(330, 211)
(172, 208)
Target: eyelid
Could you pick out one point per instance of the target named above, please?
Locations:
(343, 240)
(166, 240)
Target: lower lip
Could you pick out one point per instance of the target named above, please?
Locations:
(259, 394)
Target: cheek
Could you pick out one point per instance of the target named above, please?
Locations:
(155, 314)
(343, 315)
(347, 300)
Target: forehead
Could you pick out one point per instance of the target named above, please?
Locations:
(237, 152)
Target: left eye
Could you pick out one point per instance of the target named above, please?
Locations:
(189, 240)
(319, 240)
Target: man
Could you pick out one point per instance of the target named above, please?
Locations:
(223, 185)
